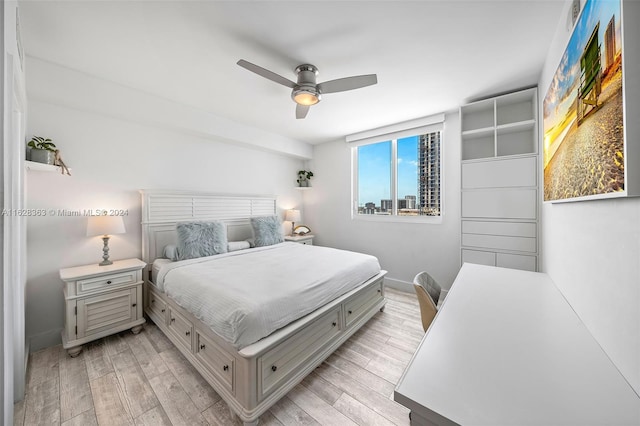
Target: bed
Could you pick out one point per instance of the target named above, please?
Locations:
(251, 364)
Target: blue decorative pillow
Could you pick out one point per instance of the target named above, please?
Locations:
(267, 230)
(199, 239)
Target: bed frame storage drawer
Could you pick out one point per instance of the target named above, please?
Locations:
(157, 307)
(356, 307)
(181, 328)
(219, 363)
(278, 364)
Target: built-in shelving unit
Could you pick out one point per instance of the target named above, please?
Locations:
(500, 181)
(500, 126)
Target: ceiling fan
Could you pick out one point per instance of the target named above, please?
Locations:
(306, 91)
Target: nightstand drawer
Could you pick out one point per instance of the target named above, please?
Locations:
(181, 327)
(104, 282)
(300, 239)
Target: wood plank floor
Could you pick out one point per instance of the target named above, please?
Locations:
(128, 379)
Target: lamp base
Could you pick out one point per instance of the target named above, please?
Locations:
(105, 252)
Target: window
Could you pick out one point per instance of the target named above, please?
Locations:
(399, 178)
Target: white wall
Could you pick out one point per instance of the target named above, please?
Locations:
(111, 159)
(6, 411)
(591, 249)
(403, 249)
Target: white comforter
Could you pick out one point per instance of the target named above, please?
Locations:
(246, 295)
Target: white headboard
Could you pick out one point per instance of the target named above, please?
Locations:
(162, 209)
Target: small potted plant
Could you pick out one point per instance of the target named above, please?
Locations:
(42, 150)
(303, 177)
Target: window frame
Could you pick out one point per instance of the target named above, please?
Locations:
(394, 137)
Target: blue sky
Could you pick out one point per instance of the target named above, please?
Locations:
(563, 89)
(374, 170)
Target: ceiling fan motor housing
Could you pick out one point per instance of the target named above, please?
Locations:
(307, 74)
(306, 91)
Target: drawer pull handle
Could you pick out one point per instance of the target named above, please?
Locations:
(163, 310)
(274, 368)
(186, 333)
(350, 312)
(134, 305)
(109, 282)
(173, 320)
(153, 300)
(379, 290)
(202, 346)
(225, 368)
(334, 323)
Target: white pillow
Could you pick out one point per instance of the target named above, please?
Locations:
(238, 245)
(170, 252)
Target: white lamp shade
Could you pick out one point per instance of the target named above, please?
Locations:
(292, 215)
(105, 225)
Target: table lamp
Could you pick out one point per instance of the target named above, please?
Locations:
(292, 216)
(105, 226)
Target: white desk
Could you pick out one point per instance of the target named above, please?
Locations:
(507, 349)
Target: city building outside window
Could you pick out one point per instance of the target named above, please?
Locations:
(399, 178)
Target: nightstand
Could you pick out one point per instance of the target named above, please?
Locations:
(302, 239)
(101, 300)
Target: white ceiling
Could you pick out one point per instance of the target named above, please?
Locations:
(430, 56)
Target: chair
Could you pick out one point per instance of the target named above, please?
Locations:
(428, 292)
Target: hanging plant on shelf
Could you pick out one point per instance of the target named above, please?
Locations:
(304, 177)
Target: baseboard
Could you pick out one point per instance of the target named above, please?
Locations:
(408, 287)
(398, 285)
(44, 340)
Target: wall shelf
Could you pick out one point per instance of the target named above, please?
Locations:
(41, 167)
(478, 133)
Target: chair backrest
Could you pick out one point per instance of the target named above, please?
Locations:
(428, 292)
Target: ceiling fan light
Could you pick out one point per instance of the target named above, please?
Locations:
(305, 97)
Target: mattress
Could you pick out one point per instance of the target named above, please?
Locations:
(246, 295)
(156, 266)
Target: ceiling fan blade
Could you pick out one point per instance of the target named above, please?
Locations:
(266, 73)
(301, 111)
(347, 83)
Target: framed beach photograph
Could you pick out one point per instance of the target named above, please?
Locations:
(583, 145)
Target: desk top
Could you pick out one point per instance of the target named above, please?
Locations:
(507, 348)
